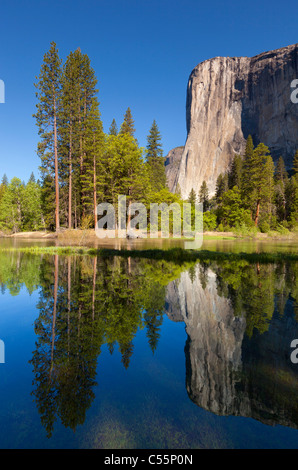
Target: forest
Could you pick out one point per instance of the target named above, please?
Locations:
(82, 166)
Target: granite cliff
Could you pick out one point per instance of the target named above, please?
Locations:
(229, 98)
(227, 372)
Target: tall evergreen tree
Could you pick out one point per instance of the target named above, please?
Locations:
(247, 168)
(204, 196)
(281, 173)
(266, 187)
(257, 179)
(127, 127)
(292, 201)
(32, 178)
(234, 175)
(155, 159)
(192, 198)
(78, 94)
(281, 181)
(93, 179)
(113, 128)
(69, 129)
(48, 107)
(89, 91)
(4, 180)
(221, 186)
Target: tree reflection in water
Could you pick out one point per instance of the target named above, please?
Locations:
(240, 320)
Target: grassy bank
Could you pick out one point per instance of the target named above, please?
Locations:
(177, 255)
(79, 237)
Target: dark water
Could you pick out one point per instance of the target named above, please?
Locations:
(128, 353)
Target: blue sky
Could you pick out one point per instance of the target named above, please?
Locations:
(142, 53)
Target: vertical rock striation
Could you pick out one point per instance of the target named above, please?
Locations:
(229, 98)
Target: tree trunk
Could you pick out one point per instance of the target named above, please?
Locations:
(257, 213)
(57, 221)
(94, 191)
(70, 180)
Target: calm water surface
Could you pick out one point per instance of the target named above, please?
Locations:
(225, 245)
(131, 353)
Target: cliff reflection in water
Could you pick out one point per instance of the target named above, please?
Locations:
(240, 320)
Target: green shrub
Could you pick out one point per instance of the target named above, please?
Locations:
(209, 220)
(243, 230)
(265, 227)
(282, 230)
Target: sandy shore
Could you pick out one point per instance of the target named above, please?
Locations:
(42, 235)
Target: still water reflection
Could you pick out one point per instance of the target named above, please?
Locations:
(137, 353)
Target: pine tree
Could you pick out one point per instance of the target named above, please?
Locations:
(281, 181)
(221, 187)
(266, 188)
(93, 179)
(204, 196)
(4, 180)
(292, 201)
(127, 127)
(192, 197)
(78, 94)
(247, 169)
(281, 173)
(234, 175)
(113, 128)
(88, 93)
(257, 179)
(155, 159)
(48, 107)
(32, 178)
(69, 128)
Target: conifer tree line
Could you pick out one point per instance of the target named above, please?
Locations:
(80, 164)
(253, 193)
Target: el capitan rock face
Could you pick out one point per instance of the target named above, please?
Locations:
(229, 98)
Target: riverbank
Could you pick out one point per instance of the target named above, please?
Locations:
(176, 255)
(78, 236)
(33, 235)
